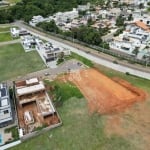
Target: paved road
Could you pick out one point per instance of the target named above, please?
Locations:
(142, 72)
(69, 65)
(84, 48)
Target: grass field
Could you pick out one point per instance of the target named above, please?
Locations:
(15, 62)
(5, 37)
(59, 88)
(4, 29)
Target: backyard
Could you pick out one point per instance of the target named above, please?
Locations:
(15, 62)
(125, 130)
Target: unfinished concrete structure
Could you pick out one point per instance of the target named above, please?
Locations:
(34, 107)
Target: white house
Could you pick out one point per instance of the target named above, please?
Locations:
(65, 16)
(123, 45)
(36, 19)
(50, 52)
(28, 42)
(103, 13)
(135, 2)
(14, 32)
(139, 30)
(5, 106)
(83, 7)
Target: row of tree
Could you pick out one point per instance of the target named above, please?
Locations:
(85, 34)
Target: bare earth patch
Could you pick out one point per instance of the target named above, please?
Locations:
(133, 124)
(105, 95)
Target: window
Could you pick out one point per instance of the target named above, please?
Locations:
(6, 111)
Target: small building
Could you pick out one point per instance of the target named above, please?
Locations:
(5, 106)
(14, 32)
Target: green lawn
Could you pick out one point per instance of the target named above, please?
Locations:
(5, 37)
(15, 62)
(3, 29)
(58, 94)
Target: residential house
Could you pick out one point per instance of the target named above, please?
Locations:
(62, 17)
(35, 20)
(14, 32)
(122, 44)
(5, 106)
(50, 52)
(135, 2)
(139, 30)
(83, 7)
(28, 42)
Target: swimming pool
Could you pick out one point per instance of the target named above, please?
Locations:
(1, 140)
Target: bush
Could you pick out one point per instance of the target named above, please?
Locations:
(127, 73)
(115, 62)
(14, 131)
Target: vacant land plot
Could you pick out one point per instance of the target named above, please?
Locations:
(103, 94)
(126, 130)
(15, 62)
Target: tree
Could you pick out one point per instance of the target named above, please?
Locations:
(120, 21)
(135, 51)
(60, 58)
(141, 6)
(49, 26)
(130, 17)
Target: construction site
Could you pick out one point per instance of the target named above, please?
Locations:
(105, 95)
(34, 106)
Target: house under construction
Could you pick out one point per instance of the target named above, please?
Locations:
(34, 106)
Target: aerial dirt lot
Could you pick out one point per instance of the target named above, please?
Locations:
(105, 95)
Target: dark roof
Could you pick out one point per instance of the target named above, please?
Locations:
(3, 92)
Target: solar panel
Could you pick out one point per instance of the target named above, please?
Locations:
(3, 92)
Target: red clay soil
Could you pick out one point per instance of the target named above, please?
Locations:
(105, 95)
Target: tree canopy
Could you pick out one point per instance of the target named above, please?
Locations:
(26, 9)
